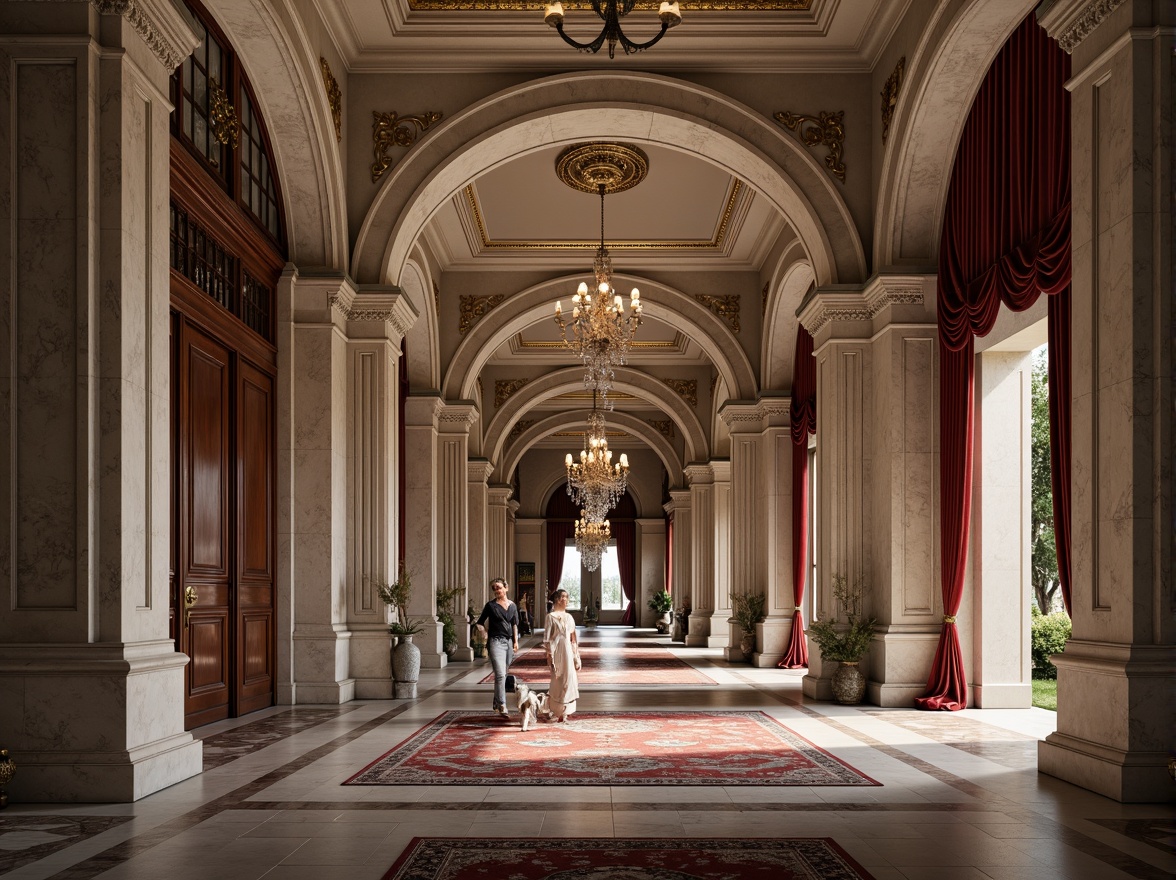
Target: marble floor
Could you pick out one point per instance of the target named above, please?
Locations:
(960, 795)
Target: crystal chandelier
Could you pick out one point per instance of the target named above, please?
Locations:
(611, 11)
(591, 539)
(594, 482)
(601, 330)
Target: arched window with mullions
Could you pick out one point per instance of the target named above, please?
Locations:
(226, 145)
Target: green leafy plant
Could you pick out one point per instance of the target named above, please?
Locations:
(848, 642)
(447, 604)
(661, 602)
(1049, 634)
(396, 595)
(747, 609)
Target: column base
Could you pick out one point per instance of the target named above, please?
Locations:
(772, 638)
(405, 690)
(322, 659)
(371, 662)
(463, 655)
(699, 635)
(1127, 777)
(1003, 696)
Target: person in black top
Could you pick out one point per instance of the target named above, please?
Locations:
(500, 621)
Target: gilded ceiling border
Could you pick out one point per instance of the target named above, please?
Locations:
(538, 5)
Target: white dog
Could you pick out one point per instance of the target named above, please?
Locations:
(531, 704)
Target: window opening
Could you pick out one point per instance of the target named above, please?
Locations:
(612, 597)
(570, 578)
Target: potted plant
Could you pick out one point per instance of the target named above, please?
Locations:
(661, 603)
(845, 643)
(406, 657)
(447, 599)
(748, 610)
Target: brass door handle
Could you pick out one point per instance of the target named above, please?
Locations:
(190, 599)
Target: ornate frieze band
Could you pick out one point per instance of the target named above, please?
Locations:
(504, 388)
(169, 47)
(1085, 23)
(687, 388)
(825, 129)
(474, 308)
(860, 307)
(726, 307)
(334, 97)
(890, 96)
(400, 319)
(393, 130)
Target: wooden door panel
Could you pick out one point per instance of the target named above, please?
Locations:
(206, 433)
(209, 669)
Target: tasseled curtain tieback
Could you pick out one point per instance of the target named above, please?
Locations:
(947, 618)
(797, 608)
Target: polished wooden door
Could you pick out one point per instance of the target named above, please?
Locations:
(223, 524)
(203, 526)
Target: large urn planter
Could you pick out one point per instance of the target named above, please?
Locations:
(849, 685)
(747, 644)
(406, 668)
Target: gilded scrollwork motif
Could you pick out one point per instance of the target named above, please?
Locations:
(520, 426)
(474, 308)
(222, 116)
(688, 388)
(394, 130)
(890, 96)
(665, 427)
(726, 307)
(825, 129)
(764, 299)
(334, 97)
(504, 388)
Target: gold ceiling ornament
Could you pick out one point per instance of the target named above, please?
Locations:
(726, 307)
(481, 390)
(588, 167)
(714, 383)
(665, 427)
(535, 5)
(393, 130)
(890, 96)
(825, 129)
(222, 116)
(592, 538)
(611, 12)
(687, 388)
(520, 426)
(601, 331)
(594, 482)
(474, 308)
(504, 388)
(334, 97)
(436, 296)
(764, 299)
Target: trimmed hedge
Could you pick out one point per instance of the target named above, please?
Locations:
(1049, 634)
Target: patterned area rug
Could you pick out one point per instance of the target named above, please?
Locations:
(644, 666)
(816, 858)
(601, 748)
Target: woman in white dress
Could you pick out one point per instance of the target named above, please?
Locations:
(563, 658)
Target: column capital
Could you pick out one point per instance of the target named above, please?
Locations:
(499, 494)
(858, 312)
(743, 417)
(1072, 21)
(679, 500)
(161, 25)
(457, 417)
(478, 470)
(422, 409)
(698, 475)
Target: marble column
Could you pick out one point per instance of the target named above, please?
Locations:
(722, 559)
(681, 578)
(478, 504)
(651, 566)
(1002, 583)
(697, 528)
(422, 506)
(1117, 676)
(745, 512)
(91, 686)
(377, 319)
(498, 539)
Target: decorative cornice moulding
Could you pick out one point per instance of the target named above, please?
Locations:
(162, 27)
(1072, 22)
(393, 309)
(860, 305)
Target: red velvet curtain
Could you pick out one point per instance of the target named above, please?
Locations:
(1059, 433)
(1006, 239)
(804, 422)
(669, 554)
(626, 535)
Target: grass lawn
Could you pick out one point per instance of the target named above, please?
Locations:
(1045, 694)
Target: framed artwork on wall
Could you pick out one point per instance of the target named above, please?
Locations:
(525, 587)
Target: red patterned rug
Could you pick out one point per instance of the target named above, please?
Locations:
(602, 748)
(612, 665)
(798, 858)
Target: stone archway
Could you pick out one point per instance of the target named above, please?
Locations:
(563, 109)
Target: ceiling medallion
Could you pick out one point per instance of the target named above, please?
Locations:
(586, 167)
